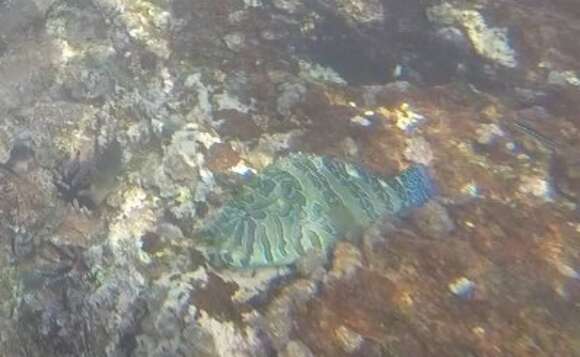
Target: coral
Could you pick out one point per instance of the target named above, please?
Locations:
(406, 119)
(183, 110)
(296, 349)
(278, 319)
(489, 42)
(291, 95)
(488, 133)
(418, 150)
(359, 11)
(143, 21)
(290, 6)
(537, 186)
(317, 72)
(564, 78)
(434, 220)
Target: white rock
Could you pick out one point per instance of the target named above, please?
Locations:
(537, 186)
(489, 42)
(418, 150)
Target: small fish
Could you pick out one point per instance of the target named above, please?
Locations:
(304, 202)
(528, 130)
(564, 166)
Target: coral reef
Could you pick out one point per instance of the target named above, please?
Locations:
(179, 108)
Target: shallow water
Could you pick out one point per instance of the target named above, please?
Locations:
(126, 126)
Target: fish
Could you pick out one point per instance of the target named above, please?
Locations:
(303, 202)
(564, 163)
(526, 129)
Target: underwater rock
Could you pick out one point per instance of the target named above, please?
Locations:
(350, 340)
(156, 69)
(290, 95)
(290, 6)
(319, 73)
(21, 155)
(52, 312)
(454, 38)
(88, 84)
(306, 202)
(360, 120)
(278, 319)
(565, 78)
(191, 314)
(255, 287)
(489, 42)
(17, 16)
(181, 157)
(77, 25)
(168, 301)
(407, 119)
(222, 157)
(183, 178)
(562, 176)
(22, 243)
(24, 205)
(27, 73)
(312, 264)
(235, 41)
(537, 186)
(418, 150)
(433, 220)
(357, 11)
(296, 349)
(488, 133)
(229, 340)
(347, 260)
(88, 68)
(143, 22)
(462, 287)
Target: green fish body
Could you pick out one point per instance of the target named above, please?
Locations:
(303, 202)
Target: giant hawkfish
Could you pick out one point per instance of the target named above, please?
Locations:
(303, 202)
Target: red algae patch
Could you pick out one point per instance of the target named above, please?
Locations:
(403, 301)
(221, 157)
(237, 125)
(216, 299)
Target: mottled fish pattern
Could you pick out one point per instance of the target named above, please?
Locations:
(304, 202)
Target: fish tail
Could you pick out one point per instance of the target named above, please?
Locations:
(528, 130)
(418, 184)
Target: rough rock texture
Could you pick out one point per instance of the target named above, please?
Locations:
(171, 105)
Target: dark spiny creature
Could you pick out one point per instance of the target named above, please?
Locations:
(20, 157)
(73, 180)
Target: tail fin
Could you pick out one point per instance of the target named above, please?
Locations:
(528, 130)
(418, 184)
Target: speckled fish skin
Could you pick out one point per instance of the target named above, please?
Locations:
(304, 202)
